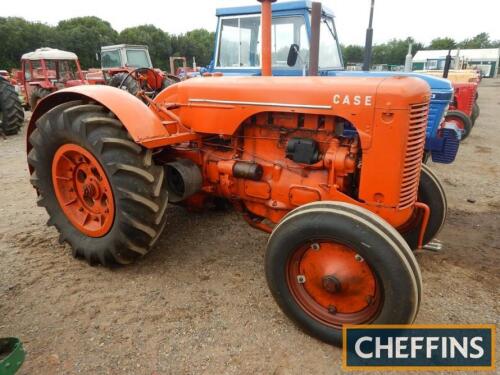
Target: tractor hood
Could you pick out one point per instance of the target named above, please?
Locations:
(441, 88)
(219, 105)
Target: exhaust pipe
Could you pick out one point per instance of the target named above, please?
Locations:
(447, 64)
(367, 61)
(316, 10)
(267, 16)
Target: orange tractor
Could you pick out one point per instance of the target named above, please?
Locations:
(330, 166)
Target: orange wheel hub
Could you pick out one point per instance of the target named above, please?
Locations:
(83, 190)
(333, 284)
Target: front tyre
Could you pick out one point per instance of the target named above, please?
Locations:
(430, 192)
(461, 120)
(333, 264)
(102, 191)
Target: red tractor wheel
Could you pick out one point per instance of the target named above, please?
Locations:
(461, 120)
(102, 191)
(323, 270)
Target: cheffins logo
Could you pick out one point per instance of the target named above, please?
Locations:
(419, 347)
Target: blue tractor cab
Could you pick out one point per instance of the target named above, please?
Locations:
(237, 52)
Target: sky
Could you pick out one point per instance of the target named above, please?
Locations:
(422, 19)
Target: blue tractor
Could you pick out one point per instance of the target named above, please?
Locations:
(305, 42)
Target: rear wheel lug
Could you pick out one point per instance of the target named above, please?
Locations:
(332, 309)
(301, 279)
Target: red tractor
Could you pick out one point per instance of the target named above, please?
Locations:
(464, 110)
(331, 167)
(47, 70)
(129, 67)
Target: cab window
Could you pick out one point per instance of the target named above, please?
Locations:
(329, 56)
(137, 58)
(27, 71)
(240, 41)
(111, 59)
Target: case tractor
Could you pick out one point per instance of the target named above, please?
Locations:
(47, 70)
(308, 30)
(330, 167)
(129, 67)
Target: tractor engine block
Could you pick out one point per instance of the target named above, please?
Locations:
(276, 162)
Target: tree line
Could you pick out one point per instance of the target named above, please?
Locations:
(85, 36)
(394, 51)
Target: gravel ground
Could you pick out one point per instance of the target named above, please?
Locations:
(199, 302)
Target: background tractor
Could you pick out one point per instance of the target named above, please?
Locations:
(129, 67)
(47, 70)
(330, 166)
(11, 110)
(310, 39)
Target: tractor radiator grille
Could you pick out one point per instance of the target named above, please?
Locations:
(414, 152)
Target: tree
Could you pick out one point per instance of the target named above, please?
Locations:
(85, 36)
(158, 42)
(394, 51)
(19, 36)
(352, 54)
(481, 40)
(442, 43)
(198, 43)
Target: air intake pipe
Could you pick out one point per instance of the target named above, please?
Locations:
(267, 16)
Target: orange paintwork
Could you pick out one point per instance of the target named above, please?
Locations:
(335, 277)
(141, 123)
(251, 119)
(266, 37)
(83, 190)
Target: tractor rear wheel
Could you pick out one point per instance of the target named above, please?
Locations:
(11, 110)
(461, 120)
(125, 82)
(323, 270)
(37, 94)
(475, 113)
(102, 191)
(430, 192)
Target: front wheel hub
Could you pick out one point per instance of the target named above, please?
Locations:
(83, 190)
(339, 286)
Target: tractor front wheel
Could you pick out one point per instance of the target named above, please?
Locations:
(430, 192)
(461, 120)
(475, 113)
(37, 94)
(329, 264)
(102, 191)
(126, 82)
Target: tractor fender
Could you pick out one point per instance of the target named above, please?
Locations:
(140, 121)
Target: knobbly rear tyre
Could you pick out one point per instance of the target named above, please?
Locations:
(138, 195)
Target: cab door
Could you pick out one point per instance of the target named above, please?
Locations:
(27, 78)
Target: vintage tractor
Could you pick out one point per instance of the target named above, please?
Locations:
(464, 109)
(11, 110)
(47, 70)
(330, 166)
(129, 67)
(313, 37)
